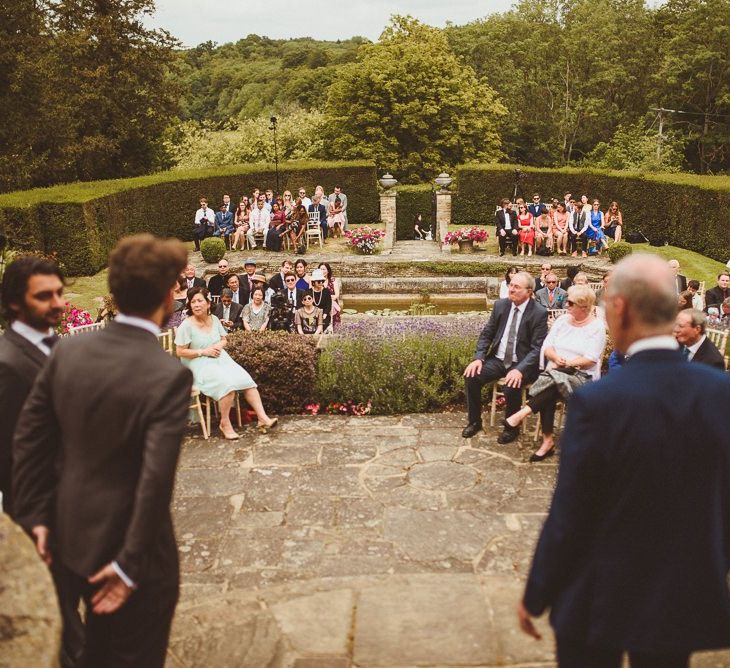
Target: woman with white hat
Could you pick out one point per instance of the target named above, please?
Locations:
(322, 298)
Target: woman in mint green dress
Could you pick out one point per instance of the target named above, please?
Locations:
(200, 342)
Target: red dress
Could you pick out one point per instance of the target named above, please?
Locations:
(527, 229)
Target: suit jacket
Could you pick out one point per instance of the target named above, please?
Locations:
(298, 294)
(111, 408)
(530, 335)
(276, 282)
(322, 212)
(680, 283)
(235, 314)
(635, 550)
(20, 362)
(715, 296)
(536, 209)
(500, 220)
(708, 353)
(216, 283)
(542, 296)
(197, 282)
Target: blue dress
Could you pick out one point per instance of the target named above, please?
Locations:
(213, 376)
(594, 231)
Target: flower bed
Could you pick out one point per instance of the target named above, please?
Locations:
(475, 234)
(73, 317)
(364, 239)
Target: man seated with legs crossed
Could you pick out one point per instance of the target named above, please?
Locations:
(509, 347)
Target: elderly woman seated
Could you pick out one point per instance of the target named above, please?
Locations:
(572, 351)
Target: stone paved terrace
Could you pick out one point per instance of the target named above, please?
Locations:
(359, 541)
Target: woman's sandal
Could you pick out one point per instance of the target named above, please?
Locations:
(264, 428)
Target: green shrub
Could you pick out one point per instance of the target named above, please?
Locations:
(407, 375)
(690, 211)
(282, 364)
(213, 249)
(619, 250)
(82, 222)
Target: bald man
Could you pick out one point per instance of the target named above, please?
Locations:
(634, 553)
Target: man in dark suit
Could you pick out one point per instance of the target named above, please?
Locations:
(33, 304)
(228, 311)
(218, 281)
(508, 346)
(536, 207)
(507, 231)
(293, 294)
(680, 281)
(690, 329)
(717, 295)
(634, 553)
(276, 282)
(192, 280)
(95, 453)
(318, 206)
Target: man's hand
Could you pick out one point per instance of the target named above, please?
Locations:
(502, 233)
(473, 369)
(513, 378)
(40, 533)
(112, 594)
(526, 622)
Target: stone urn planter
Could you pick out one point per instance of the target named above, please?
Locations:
(466, 246)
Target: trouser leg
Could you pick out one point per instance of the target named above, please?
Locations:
(645, 660)
(69, 589)
(492, 369)
(544, 403)
(572, 654)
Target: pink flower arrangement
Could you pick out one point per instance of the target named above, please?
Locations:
(339, 408)
(73, 317)
(364, 239)
(475, 234)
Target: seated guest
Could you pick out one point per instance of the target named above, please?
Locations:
(336, 217)
(689, 330)
(277, 227)
(277, 280)
(504, 285)
(715, 296)
(200, 343)
(613, 222)
(297, 224)
(249, 269)
(239, 295)
(581, 278)
(300, 269)
(204, 223)
(577, 225)
(240, 223)
(725, 313)
(552, 296)
(218, 281)
(292, 292)
(255, 314)
(680, 280)
(322, 298)
(181, 297)
(573, 349)
(334, 285)
(224, 225)
(228, 311)
(259, 281)
(684, 300)
(317, 206)
(192, 281)
(309, 318)
(693, 287)
(571, 273)
(545, 269)
(258, 222)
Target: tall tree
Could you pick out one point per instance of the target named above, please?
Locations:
(409, 104)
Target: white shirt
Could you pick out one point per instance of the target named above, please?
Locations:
(507, 219)
(236, 298)
(307, 202)
(259, 219)
(695, 347)
(33, 335)
(206, 213)
(663, 342)
(502, 349)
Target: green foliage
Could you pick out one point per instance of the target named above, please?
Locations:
(213, 249)
(82, 222)
(282, 364)
(619, 251)
(298, 137)
(411, 106)
(631, 148)
(96, 81)
(692, 213)
(413, 374)
(411, 201)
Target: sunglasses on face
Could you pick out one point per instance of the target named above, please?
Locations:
(291, 280)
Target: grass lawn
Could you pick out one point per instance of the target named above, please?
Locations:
(692, 265)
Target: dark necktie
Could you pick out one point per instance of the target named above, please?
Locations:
(685, 352)
(50, 341)
(509, 352)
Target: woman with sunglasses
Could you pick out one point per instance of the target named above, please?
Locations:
(322, 298)
(613, 221)
(594, 232)
(571, 355)
(309, 318)
(334, 285)
(240, 223)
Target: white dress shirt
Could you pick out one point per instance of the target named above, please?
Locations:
(206, 213)
(502, 349)
(695, 347)
(33, 335)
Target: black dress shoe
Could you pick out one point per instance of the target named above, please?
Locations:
(508, 435)
(471, 429)
(538, 458)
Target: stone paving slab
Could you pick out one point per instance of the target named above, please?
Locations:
(336, 542)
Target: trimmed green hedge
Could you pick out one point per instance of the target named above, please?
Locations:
(411, 201)
(81, 222)
(687, 210)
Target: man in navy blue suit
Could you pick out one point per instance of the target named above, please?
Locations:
(635, 551)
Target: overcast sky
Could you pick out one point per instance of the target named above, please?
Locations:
(197, 21)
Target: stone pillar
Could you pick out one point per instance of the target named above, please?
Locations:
(443, 213)
(387, 215)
